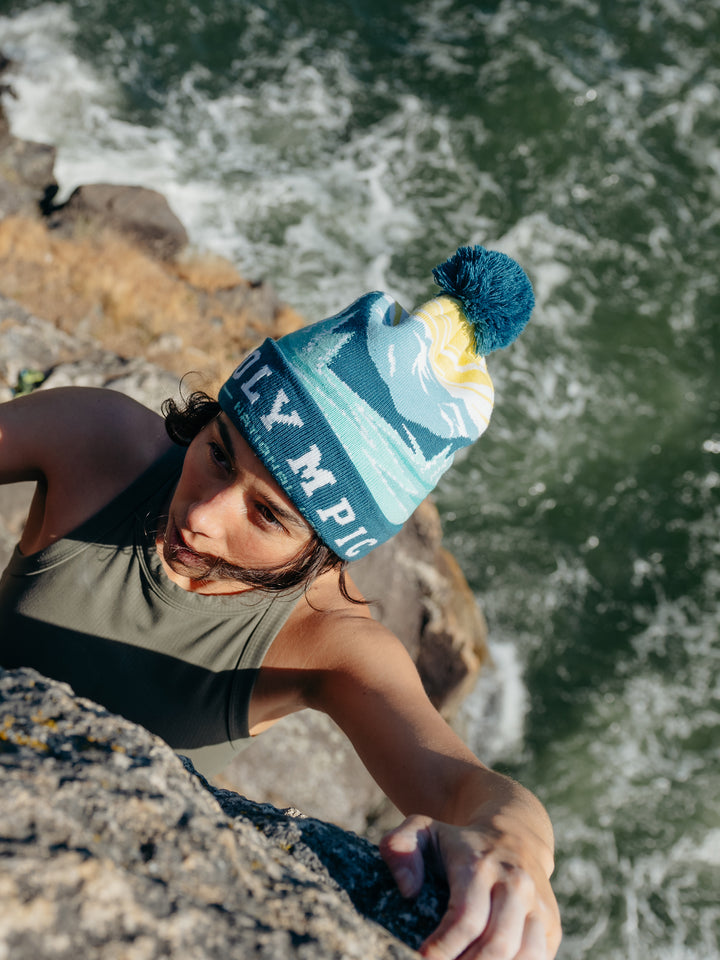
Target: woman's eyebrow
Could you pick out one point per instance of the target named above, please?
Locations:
(277, 508)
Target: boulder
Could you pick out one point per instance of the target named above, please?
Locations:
(29, 345)
(418, 591)
(142, 215)
(113, 848)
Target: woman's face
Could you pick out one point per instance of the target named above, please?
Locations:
(228, 508)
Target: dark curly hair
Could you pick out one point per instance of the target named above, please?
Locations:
(183, 422)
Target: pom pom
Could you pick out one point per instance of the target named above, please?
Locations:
(494, 290)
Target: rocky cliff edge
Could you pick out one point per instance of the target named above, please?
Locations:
(113, 848)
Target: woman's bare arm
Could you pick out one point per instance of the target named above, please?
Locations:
(491, 836)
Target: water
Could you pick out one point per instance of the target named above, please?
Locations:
(340, 147)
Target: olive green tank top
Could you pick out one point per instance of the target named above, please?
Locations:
(97, 610)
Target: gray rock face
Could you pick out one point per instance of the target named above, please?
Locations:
(29, 343)
(26, 177)
(114, 849)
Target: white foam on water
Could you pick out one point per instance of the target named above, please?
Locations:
(643, 797)
(63, 101)
(640, 908)
(268, 177)
(40, 40)
(492, 717)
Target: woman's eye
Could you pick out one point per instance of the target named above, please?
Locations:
(268, 516)
(217, 454)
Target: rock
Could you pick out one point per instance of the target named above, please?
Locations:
(419, 592)
(29, 343)
(193, 314)
(114, 849)
(142, 215)
(306, 761)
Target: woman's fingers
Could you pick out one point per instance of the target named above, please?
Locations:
(465, 919)
(534, 943)
(496, 910)
(403, 850)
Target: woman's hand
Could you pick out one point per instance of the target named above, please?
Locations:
(501, 905)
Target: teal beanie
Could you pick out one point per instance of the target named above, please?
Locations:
(358, 416)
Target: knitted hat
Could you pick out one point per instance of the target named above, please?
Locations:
(357, 417)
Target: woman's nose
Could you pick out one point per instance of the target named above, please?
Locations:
(211, 512)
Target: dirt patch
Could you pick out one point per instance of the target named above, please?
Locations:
(196, 314)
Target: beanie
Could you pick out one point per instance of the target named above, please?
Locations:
(358, 416)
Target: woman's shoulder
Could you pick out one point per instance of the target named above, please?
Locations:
(53, 432)
(109, 432)
(82, 445)
(328, 625)
(333, 656)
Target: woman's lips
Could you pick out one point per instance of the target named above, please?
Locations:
(180, 552)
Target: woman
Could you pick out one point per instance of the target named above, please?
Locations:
(192, 575)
